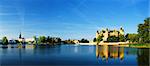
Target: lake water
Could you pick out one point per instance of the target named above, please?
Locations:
(74, 55)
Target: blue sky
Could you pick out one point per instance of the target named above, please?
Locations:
(73, 19)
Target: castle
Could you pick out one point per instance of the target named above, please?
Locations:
(106, 33)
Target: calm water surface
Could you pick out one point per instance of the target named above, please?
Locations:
(74, 55)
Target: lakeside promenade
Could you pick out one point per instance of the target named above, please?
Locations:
(102, 43)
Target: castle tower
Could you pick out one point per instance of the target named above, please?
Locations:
(121, 31)
(97, 34)
(105, 34)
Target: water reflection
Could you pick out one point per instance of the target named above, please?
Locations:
(139, 56)
(106, 52)
(71, 54)
(143, 57)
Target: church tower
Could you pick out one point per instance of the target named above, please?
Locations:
(20, 36)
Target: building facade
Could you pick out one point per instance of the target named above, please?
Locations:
(105, 33)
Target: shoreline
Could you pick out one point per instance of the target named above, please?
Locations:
(120, 44)
(102, 43)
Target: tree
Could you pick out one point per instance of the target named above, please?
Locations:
(132, 37)
(58, 40)
(42, 39)
(121, 38)
(5, 41)
(112, 39)
(144, 31)
(69, 42)
(126, 36)
(48, 40)
(17, 41)
(94, 40)
(84, 41)
(35, 39)
(99, 39)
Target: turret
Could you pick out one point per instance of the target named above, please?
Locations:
(97, 34)
(121, 31)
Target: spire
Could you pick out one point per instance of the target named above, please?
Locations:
(20, 36)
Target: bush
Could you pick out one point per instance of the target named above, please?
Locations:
(5, 41)
(112, 39)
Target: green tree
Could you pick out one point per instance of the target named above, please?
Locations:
(35, 39)
(68, 42)
(5, 41)
(50, 40)
(84, 40)
(99, 39)
(41, 39)
(132, 37)
(53, 40)
(122, 38)
(112, 39)
(144, 31)
(17, 41)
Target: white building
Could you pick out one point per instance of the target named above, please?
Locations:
(29, 40)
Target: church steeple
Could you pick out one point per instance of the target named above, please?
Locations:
(20, 36)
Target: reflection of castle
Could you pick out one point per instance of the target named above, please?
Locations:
(106, 33)
(106, 52)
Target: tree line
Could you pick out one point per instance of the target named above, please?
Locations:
(38, 41)
(43, 40)
(83, 40)
(46, 40)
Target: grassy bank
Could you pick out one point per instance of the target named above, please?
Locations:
(146, 45)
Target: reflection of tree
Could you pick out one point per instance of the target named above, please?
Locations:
(143, 57)
(131, 51)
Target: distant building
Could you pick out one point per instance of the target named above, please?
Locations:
(29, 40)
(106, 33)
(21, 39)
(12, 41)
(76, 41)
